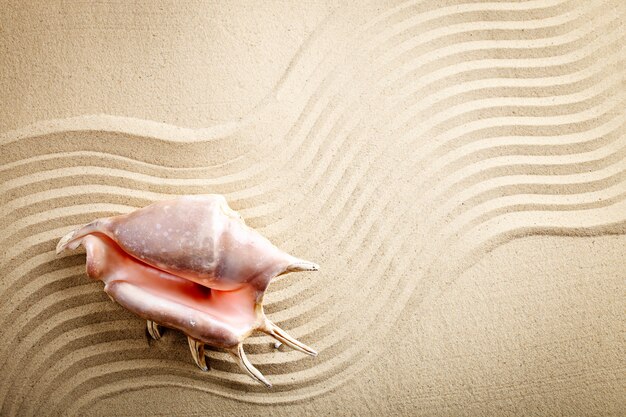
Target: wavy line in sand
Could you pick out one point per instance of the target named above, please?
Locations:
(153, 197)
(124, 209)
(574, 163)
(389, 254)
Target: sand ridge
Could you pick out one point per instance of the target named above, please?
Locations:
(400, 145)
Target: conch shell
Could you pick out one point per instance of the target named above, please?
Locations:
(190, 264)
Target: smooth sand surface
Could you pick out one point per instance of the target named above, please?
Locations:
(456, 168)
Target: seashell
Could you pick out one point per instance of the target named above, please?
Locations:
(190, 264)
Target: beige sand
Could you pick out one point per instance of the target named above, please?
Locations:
(457, 169)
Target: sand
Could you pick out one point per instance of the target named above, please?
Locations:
(456, 168)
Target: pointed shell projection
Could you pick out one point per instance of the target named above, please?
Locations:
(193, 265)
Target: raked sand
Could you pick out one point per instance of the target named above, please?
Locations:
(455, 167)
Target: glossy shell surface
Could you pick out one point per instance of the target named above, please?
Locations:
(190, 264)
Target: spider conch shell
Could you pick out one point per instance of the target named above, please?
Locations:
(190, 264)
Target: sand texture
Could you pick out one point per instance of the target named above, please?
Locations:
(457, 168)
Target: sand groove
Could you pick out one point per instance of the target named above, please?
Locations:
(501, 120)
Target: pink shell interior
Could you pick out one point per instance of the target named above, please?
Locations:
(217, 317)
